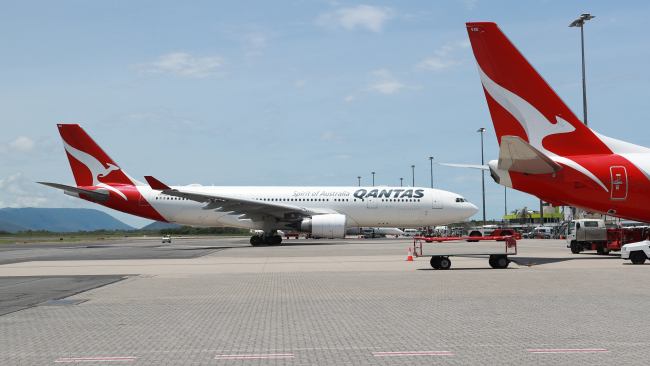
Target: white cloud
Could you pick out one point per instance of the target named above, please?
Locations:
(382, 81)
(164, 116)
(185, 64)
(329, 136)
(17, 191)
(371, 18)
(444, 57)
(435, 63)
(385, 83)
(256, 40)
(255, 43)
(387, 87)
(21, 144)
(469, 4)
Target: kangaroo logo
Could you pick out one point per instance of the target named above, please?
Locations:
(97, 169)
(537, 127)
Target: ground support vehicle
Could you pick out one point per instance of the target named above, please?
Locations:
(592, 234)
(411, 232)
(587, 234)
(636, 252)
(291, 234)
(166, 239)
(498, 248)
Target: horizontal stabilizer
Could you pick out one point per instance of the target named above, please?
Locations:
(156, 184)
(469, 166)
(517, 155)
(99, 194)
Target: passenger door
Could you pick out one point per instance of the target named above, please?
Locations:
(436, 203)
(619, 182)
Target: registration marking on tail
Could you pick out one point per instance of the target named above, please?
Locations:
(258, 356)
(412, 353)
(567, 350)
(95, 359)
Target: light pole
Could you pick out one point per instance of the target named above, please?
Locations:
(401, 182)
(481, 130)
(373, 179)
(580, 22)
(505, 202)
(431, 161)
(359, 179)
(412, 175)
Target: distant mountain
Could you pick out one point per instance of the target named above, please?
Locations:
(10, 227)
(58, 220)
(159, 225)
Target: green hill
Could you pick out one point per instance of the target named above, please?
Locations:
(14, 220)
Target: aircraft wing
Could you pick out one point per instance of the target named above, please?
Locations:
(100, 194)
(517, 155)
(245, 208)
(470, 166)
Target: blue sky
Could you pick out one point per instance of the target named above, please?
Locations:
(295, 92)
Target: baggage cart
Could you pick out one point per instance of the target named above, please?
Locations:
(440, 249)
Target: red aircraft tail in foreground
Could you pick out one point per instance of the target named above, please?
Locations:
(545, 150)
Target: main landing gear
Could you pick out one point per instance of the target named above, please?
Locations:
(258, 240)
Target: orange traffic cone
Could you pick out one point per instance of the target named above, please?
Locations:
(409, 257)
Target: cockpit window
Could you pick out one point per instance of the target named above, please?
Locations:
(460, 199)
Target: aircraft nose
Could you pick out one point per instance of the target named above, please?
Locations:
(472, 209)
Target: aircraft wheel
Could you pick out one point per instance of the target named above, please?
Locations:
(435, 262)
(491, 261)
(637, 257)
(476, 234)
(276, 240)
(445, 263)
(500, 262)
(256, 240)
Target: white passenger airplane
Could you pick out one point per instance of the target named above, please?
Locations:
(323, 211)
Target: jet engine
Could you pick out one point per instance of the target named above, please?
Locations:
(328, 226)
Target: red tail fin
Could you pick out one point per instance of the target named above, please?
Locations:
(521, 103)
(91, 166)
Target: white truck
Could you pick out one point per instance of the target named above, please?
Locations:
(636, 252)
(593, 234)
(587, 234)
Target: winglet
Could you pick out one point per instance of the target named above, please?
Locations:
(156, 184)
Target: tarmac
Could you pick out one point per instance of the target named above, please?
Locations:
(219, 301)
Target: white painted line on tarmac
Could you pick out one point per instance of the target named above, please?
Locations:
(95, 359)
(412, 353)
(567, 350)
(258, 356)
